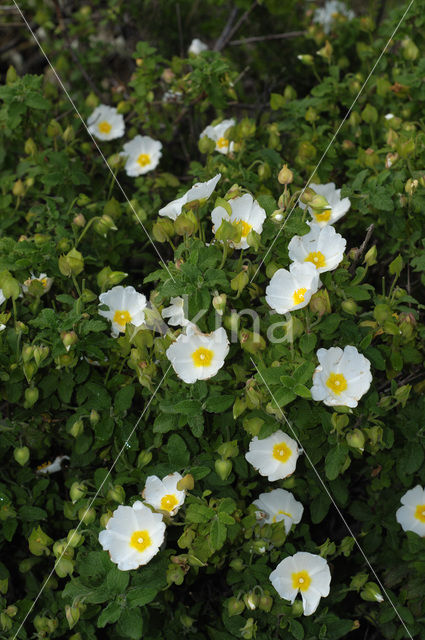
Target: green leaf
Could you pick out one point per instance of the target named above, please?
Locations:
(123, 399)
(198, 513)
(165, 422)
(117, 581)
(296, 629)
(319, 507)
(218, 404)
(178, 453)
(335, 460)
(302, 391)
(130, 624)
(30, 513)
(218, 534)
(139, 596)
(396, 266)
(110, 614)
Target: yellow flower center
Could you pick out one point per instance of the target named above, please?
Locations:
(121, 317)
(298, 296)
(144, 159)
(168, 502)
(202, 357)
(420, 513)
(317, 258)
(337, 383)
(324, 216)
(246, 228)
(140, 540)
(280, 512)
(104, 127)
(43, 465)
(281, 452)
(301, 580)
(223, 143)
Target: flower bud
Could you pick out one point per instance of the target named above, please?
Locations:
(87, 516)
(68, 339)
(74, 539)
(219, 303)
(60, 548)
(355, 439)
(103, 225)
(411, 186)
(350, 306)
(266, 603)
(21, 455)
(326, 51)
(108, 278)
(54, 129)
(38, 542)
(64, 567)
(72, 615)
(11, 75)
(45, 625)
(27, 352)
(297, 608)
(251, 600)
(371, 593)
(235, 607)
(206, 145)
(30, 369)
(18, 188)
(277, 216)
(31, 397)
(71, 264)
(94, 417)
(239, 282)
(186, 223)
(285, 175)
(318, 203)
(320, 303)
(30, 147)
(410, 50)
(237, 564)
(390, 159)
(239, 407)
(306, 59)
(116, 494)
(143, 459)
(104, 518)
(78, 490)
(223, 468)
(228, 449)
(251, 342)
(249, 630)
(264, 171)
(163, 230)
(79, 220)
(77, 428)
(370, 257)
(369, 114)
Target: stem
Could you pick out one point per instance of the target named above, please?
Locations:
(224, 255)
(74, 280)
(86, 228)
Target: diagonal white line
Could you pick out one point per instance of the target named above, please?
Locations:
(93, 139)
(92, 501)
(333, 139)
(332, 500)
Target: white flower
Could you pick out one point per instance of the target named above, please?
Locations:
(342, 377)
(245, 210)
(198, 356)
(2, 297)
(143, 154)
(172, 96)
(327, 14)
(275, 457)
(278, 505)
(389, 116)
(106, 123)
(218, 134)
(411, 516)
(304, 572)
(2, 327)
(322, 246)
(52, 467)
(125, 305)
(197, 46)
(175, 313)
(337, 207)
(292, 290)
(133, 536)
(45, 282)
(163, 494)
(199, 191)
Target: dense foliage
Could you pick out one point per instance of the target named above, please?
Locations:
(70, 389)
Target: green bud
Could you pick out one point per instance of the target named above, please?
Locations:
(370, 257)
(285, 175)
(186, 223)
(237, 564)
(411, 186)
(72, 615)
(94, 417)
(38, 542)
(355, 439)
(320, 303)
(54, 129)
(116, 494)
(11, 75)
(27, 352)
(69, 134)
(64, 567)
(228, 449)
(31, 397)
(251, 600)
(87, 516)
(235, 607)
(266, 603)
(74, 538)
(223, 468)
(239, 282)
(219, 303)
(350, 306)
(318, 203)
(253, 425)
(79, 220)
(4, 585)
(104, 518)
(143, 459)
(239, 407)
(21, 455)
(410, 50)
(103, 225)
(9, 285)
(306, 59)
(92, 100)
(251, 342)
(59, 548)
(277, 216)
(108, 278)
(78, 490)
(5, 622)
(249, 630)
(297, 609)
(45, 625)
(163, 229)
(77, 428)
(30, 147)
(264, 171)
(358, 581)
(371, 593)
(71, 264)
(206, 145)
(369, 114)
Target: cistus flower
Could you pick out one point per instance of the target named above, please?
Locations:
(198, 356)
(126, 305)
(411, 516)
(332, 9)
(2, 297)
(175, 313)
(342, 377)
(278, 505)
(304, 573)
(133, 536)
(322, 246)
(218, 133)
(163, 494)
(197, 46)
(200, 191)
(52, 467)
(44, 281)
(292, 290)
(275, 457)
(337, 207)
(245, 210)
(143, 154)
(105, 123)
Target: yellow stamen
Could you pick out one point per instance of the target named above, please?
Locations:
(223, 143)
(140, 540)
(202, 357)
(420, 512)
(44, 465)
(281, 452)
(144, 159)
(121, 317)
(317, 258)
(337, 383)
(280, 512)
(168, 502)
(43, 282)
(301, 580)
(104, 127)
(298, 296)
(324, 216)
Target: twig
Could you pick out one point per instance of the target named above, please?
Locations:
(270, 36)
(362, 247)
(239, 24)
(226, 30)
